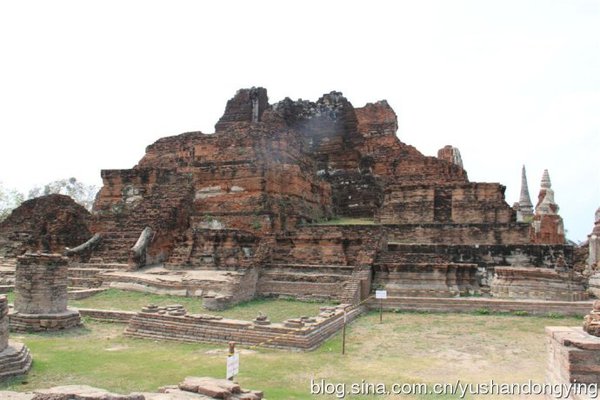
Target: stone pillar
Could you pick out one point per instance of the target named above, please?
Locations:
(41, 294)
(14, 357)
(3, 323)
(41, 284)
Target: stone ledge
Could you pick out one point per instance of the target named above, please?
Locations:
(471, 304)
(44, 322)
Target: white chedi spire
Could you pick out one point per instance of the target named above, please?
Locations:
(546, 184)
(546, 205)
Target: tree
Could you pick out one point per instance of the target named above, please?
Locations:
(9, 200)
(78, 191)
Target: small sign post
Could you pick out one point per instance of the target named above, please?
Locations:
(381, 295)
(233, 362)
(344, 333)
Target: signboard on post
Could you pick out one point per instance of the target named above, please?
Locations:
(381, 295)
(233, 365)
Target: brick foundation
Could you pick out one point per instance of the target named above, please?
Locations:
(475, 304)
(203, 328)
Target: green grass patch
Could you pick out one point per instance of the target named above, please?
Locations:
(277, 310)
(406, 347)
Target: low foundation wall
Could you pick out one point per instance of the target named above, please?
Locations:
(426, 279)
(573, 361)
(474, 304)
(107, 315)
(537, 283)
(208, 328)
(26, 323)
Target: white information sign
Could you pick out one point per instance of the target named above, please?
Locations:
(233, 365)
(381, 294)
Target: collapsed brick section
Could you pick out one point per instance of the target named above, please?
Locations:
(47, 223)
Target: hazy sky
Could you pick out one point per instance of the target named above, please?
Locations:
(86, 86)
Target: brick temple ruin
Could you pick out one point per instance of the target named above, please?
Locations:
(256, 209)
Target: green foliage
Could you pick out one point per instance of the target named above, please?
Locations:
(256, 224)
(80, 192)
(406, 347)
(9, 200)
(520, 313)
(482, 311)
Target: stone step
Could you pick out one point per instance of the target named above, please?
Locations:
(83, 293)
(100, 265)
(85, 282)
(302, 277)
(87, 272)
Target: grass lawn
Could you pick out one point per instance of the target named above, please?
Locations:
(277, 310)
(406, 347)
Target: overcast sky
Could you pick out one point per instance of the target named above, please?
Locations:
(86, 86)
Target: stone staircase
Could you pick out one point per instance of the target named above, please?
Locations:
(358, 288)
(306, 281)
(87, 275)
(7, 274)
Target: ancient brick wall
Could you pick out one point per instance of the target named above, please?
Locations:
(537, 283)
(426, 279)
(460, 234)
(467, 203)
(205, 248)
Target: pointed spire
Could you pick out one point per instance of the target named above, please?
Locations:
(525, 207)
(546, 184)
(546, 204)
(524, 199)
